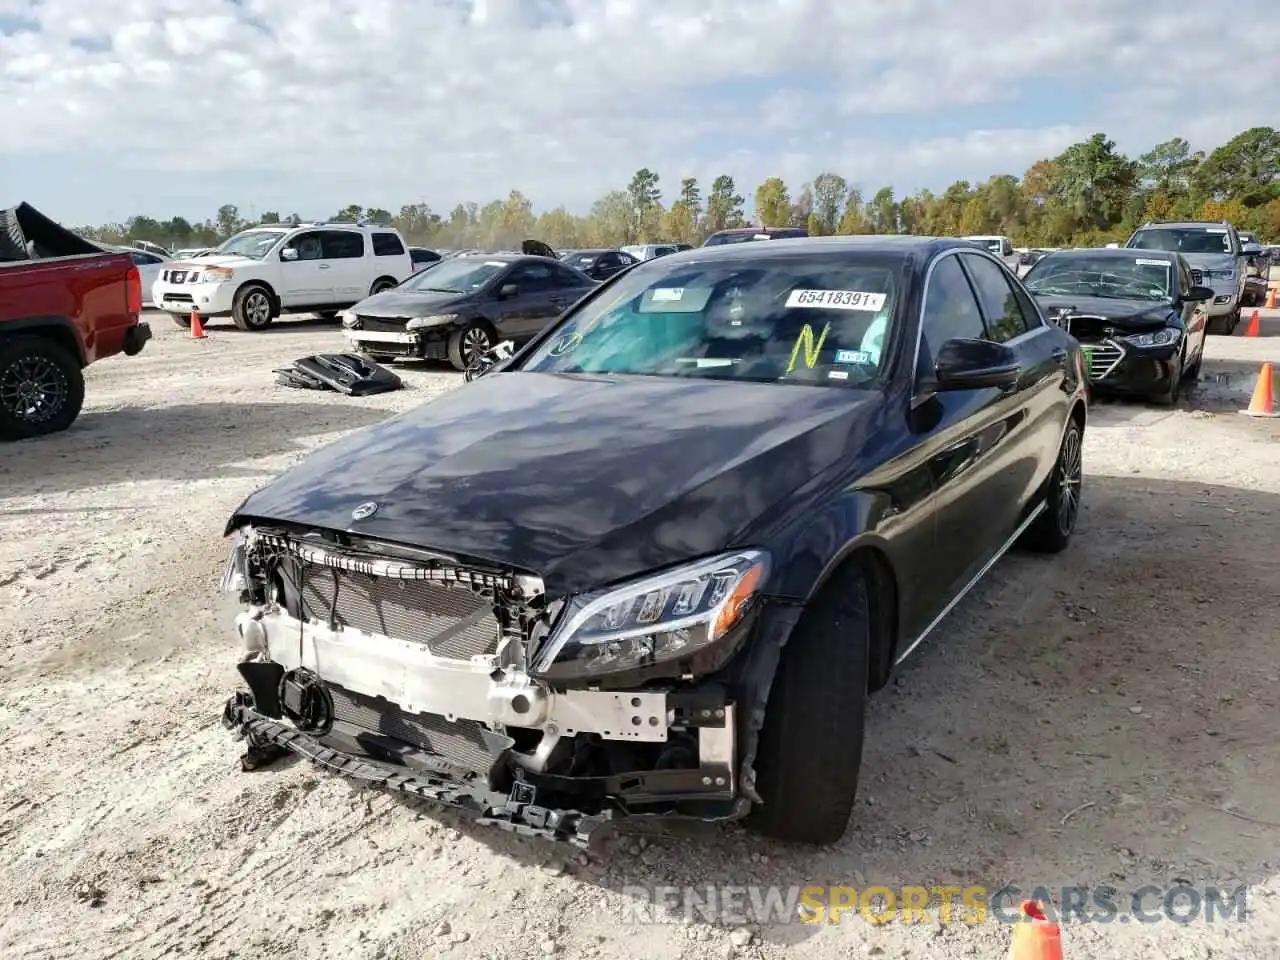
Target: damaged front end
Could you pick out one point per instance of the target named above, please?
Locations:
(469, 686)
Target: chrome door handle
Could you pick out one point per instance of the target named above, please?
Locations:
(324, 266)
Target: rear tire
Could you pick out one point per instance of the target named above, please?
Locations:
(41, 388)
(1051, 531)
(252, 308)
(810, 749)
(381, 285)
(469, 342)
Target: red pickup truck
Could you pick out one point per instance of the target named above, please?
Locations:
(58, 314)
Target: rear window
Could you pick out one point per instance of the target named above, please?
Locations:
(1183, 240)
(387, 245)
(820, 321)
(781, 233)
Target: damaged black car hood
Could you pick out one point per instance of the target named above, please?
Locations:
(582, 480)
(1125, 314)
(395, 304)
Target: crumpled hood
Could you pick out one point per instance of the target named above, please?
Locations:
(581, 480)
(394, 304)
(1126, 314)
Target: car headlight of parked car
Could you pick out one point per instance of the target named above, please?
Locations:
(347, 317)
(658, 619)
(235, 577)
(435, 320)
(1157, 338)
(216, 275)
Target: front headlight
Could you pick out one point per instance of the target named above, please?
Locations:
(668, 617)
(435, 320)
(347, 317)
(1157, 338)
(216, 275)
(235, 578)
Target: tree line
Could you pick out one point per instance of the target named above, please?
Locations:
(1088, 195)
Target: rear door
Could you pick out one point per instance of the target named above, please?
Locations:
(349, 269)
(1030, 417)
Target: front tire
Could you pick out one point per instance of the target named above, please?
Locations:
(41, 388)
(468, 343)
(182, 320)
(810, 749)
(252, 308)
(1169, 398)
(381, 285)
(1051, 531)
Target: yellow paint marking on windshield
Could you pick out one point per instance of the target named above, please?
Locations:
(811, 350)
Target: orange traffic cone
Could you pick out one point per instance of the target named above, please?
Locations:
(1252, 329)
(1263, 403)
(1034, 937)
(1271, 298)
(197, 328)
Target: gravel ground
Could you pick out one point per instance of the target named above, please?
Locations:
(1104, 717)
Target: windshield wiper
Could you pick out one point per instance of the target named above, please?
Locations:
(437, 290)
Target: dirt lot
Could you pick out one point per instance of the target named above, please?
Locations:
(1104, 717)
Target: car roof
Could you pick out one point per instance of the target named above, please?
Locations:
(818, 246)
(1185, 225)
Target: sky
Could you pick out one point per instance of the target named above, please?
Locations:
(111, 108)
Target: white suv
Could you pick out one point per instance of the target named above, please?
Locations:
(272, 269)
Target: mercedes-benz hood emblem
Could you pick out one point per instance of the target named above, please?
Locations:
(364, 511)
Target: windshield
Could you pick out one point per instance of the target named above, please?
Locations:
(459, 275)
(1212, 240)
(1117, 278)
(821, 320)
(254, 244)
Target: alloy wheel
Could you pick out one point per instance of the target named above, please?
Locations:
(257, 309)
(34, 389)
(1070, 479)
(475, 343)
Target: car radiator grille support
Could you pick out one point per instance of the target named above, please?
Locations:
(451, 621)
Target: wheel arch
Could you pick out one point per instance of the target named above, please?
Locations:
(265, 285)
(868, 558)
(60, 330)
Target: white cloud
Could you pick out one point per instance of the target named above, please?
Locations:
(389, 101)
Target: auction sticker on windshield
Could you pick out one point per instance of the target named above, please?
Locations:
(1151, 263)
(667, 293)
(836, 299)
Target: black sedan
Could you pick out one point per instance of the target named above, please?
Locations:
(600, 264)
(1136, 313)
(458, 308)
(655, 562)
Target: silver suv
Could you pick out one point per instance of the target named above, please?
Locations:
(1217, 257)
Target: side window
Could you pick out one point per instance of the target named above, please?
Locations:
(609, 261)
(387, 245)
(531, 278)
(307, 245)
(143, 259)
(1000, 306)
(564, 277)
(342, 244)
(950, 310)
(627, 259)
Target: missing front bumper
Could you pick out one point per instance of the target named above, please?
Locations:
(662, 794)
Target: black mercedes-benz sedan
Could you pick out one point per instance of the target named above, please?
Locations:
(655, 562)
(1137, 314)
(456, 309)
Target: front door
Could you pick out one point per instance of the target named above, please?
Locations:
(523, 315)
(305, 281)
